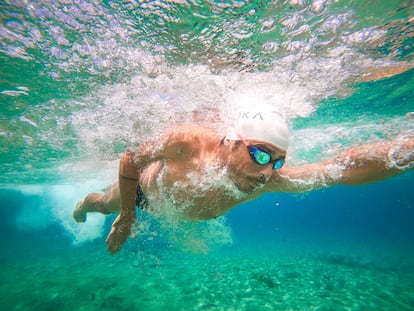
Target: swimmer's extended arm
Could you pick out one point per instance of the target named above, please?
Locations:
(356, 166)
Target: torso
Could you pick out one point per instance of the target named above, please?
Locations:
(205, 194)
(196, 183)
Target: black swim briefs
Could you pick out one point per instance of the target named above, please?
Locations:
(141, 201)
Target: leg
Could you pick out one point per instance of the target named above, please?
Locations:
(107, 203)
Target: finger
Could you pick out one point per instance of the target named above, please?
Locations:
(113, 243)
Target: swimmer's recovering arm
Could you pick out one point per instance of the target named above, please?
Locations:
(128, 182)
(131, 163)
(356, 166)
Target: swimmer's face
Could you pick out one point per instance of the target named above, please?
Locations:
(247, 172)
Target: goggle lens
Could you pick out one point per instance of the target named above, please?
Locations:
(277, 165)
(262, 157)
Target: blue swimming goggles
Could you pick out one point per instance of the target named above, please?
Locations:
(263, 157)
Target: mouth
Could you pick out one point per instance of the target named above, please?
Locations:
(248, 184)
(252, 184)
(258, 182)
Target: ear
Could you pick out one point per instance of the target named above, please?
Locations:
(235, 144)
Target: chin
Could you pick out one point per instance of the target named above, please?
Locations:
(249, 189)
(247, 185)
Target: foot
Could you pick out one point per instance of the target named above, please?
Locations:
(79, 214)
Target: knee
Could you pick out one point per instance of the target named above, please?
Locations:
(94, 198)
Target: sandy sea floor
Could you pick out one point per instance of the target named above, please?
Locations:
(57, 276)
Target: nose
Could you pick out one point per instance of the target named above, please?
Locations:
(266, 172)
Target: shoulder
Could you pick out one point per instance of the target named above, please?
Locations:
(194, 130)
(193, 135)
(189, 141)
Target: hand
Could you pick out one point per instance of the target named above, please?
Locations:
(121, 230)
(402, 154)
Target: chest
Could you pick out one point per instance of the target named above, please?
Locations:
(197, 190)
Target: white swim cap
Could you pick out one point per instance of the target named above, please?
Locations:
(260, 121)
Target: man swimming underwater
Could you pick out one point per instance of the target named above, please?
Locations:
(203, 175)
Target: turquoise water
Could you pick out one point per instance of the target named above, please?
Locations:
(83, 80)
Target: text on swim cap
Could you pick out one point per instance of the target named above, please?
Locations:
(245, 115)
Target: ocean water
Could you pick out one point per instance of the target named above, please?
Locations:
(83, 80)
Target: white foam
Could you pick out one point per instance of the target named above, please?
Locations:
(132, 112)
(401, 157)
(140, 110)
(55, 204)
(33, 216)
(329, 140)
(62, 200)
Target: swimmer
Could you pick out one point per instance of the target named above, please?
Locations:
(204, 174)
